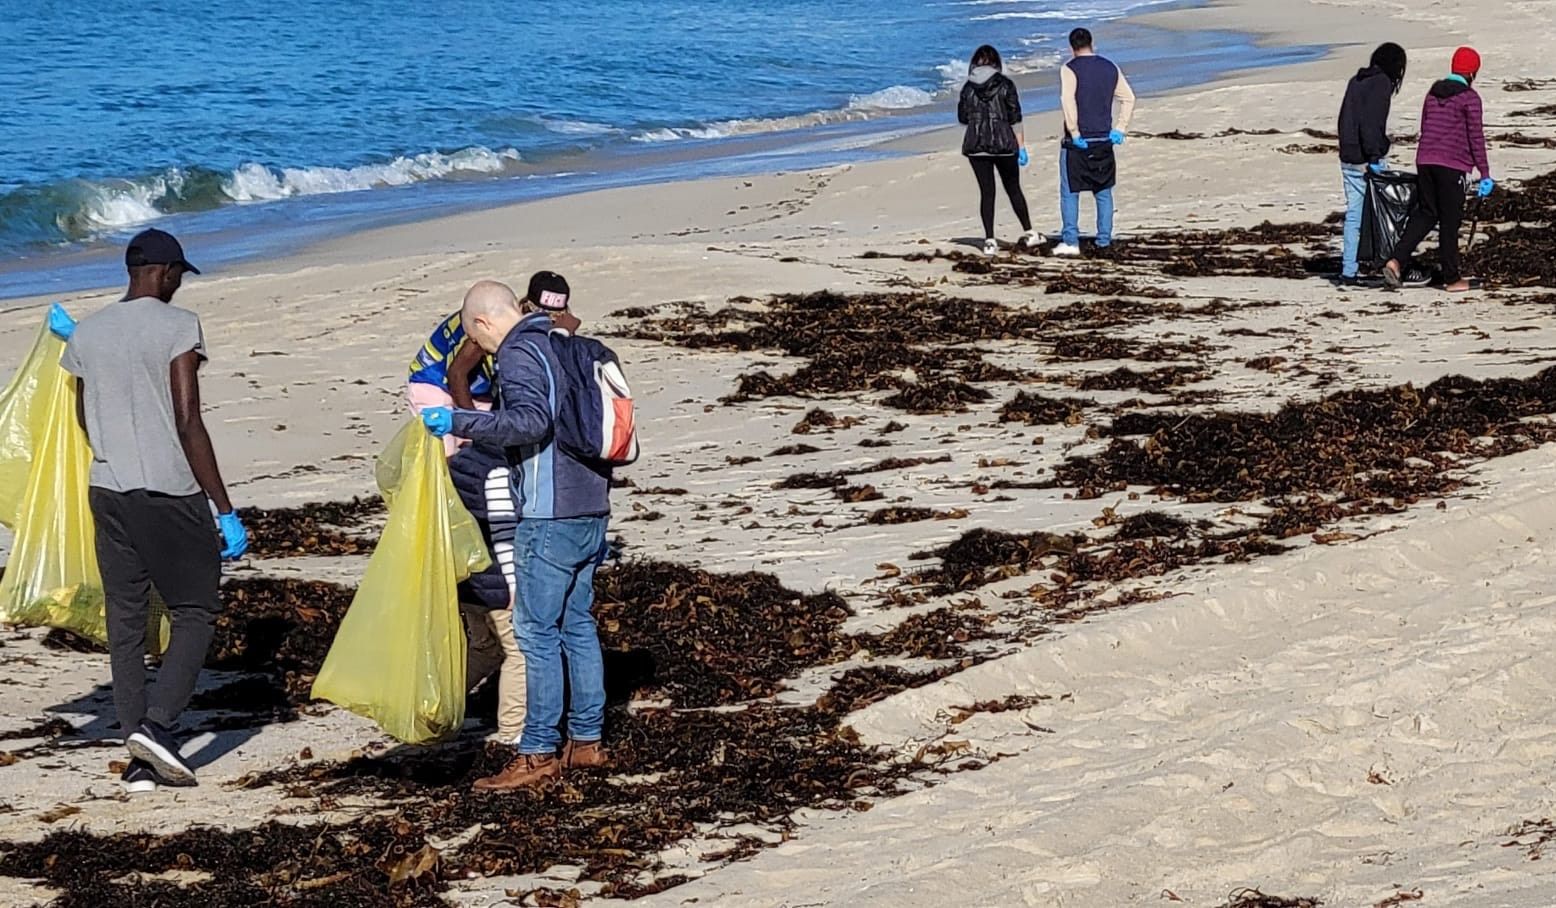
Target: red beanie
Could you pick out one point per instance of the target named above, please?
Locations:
(1466, 62)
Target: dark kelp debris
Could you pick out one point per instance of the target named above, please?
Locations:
(281, 628)
(708, 640)
(940, 634)
(714, 638)
(917, 349)
(860, 687)
(1041, 410)
(1253, 898)
(312, 529)
(751, 766)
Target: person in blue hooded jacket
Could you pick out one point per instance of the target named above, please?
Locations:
(564, 506)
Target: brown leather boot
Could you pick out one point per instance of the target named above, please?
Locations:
(584, 755)
(528, 771)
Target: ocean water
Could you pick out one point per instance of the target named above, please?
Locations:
(240, 120)
(119, 113)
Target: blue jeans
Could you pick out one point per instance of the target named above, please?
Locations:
(555, 591)
(1070, 208)
(1354, 176)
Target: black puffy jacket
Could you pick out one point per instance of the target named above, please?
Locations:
(990, 110)
(1364, 117)
(469, 469)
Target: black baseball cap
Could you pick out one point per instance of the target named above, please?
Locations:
(549, 291)
(156, 247)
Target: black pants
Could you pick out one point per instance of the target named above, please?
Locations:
(146, 540)
(1010, 175)
(1440, 204)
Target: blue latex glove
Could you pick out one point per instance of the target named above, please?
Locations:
(1117, 137)
(1486, 185)
(1079, 142)
(1378, 166)
(61, 323)
(1022, 158)
(438, 420)
(235, 537)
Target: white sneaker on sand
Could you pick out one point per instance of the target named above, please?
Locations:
(991, 246)
(1029, 240)
(1066, 249)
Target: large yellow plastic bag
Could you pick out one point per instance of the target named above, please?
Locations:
(52, 577)
(20, 412)
(399, 655)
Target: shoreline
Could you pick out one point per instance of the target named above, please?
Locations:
(240, 238)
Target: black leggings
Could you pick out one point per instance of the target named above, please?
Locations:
(1440, 204)
(1010, 175)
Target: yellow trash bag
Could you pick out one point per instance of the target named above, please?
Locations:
(52, 576)
(399, 655)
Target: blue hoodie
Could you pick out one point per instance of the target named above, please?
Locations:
(548, 483)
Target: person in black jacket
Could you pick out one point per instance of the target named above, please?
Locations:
(1364, 139)
(990, 108)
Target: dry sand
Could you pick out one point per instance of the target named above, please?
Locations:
(1344, 722)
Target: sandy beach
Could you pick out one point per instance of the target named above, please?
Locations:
(1364, 716)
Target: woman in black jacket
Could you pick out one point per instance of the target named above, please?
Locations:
(991, 110)
(1364, 140)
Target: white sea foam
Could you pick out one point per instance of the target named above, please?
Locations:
(897, 97)
(258, 182)
(576, 127)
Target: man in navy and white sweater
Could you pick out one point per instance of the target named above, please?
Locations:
(1088, 86)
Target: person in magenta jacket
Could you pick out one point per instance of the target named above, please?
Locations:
(1453, 142)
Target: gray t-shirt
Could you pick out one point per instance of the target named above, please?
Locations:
(123, 355)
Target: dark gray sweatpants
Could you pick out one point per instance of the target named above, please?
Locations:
(147, 540)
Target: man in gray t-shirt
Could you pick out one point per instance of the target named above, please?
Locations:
(137, 365)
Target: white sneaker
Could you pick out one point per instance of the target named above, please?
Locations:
(1065, 249)
(1030, 240)
(138, 777)
(991, 246)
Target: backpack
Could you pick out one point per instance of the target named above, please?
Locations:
(595, 419)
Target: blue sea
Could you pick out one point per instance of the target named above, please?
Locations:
(261, 125)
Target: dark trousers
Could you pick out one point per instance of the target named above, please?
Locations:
(1010, 175)
(147, 540)
(1440, 204)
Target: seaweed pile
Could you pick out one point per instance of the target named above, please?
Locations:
(681, 773)
(1253, 898)
(712, 641)
(279, 628)
(714, 638)
(1041, 410)
(1264, 250)
(1310, 465)
(1398, 443)
(327, 528)
(1519, 255)
(914, 347)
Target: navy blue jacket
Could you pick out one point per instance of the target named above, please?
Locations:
(470, 469)
(548, 482)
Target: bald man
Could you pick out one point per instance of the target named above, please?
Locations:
(564, 505)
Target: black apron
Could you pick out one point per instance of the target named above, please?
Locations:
(1091, 169)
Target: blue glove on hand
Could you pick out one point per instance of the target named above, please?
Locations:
(61, 323)
(1486, 185)
(1079, 142)
(235, 537)
(1378, 166)
(1117, 137)
(1022, 158)
(438, 420)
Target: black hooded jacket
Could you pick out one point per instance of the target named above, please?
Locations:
(990, 110)
(1364, 117)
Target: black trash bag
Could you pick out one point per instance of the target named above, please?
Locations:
(1391, 197)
